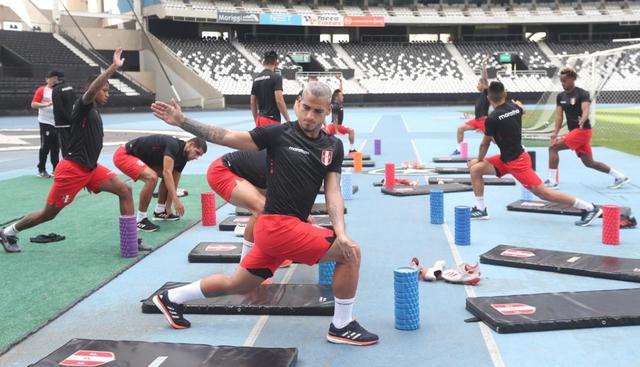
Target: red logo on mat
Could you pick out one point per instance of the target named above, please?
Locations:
(88, 358)
(327, 157)
(220, 248)
(517, 253)
(509, 309)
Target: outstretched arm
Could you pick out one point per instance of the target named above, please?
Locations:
(171, 113)
(101, 80)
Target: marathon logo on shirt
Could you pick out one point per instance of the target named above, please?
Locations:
(509, 114)
(264, 77)
(326, 157)
(299, 150)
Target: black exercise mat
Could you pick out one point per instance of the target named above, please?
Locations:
(354, 189)
(317, 209)
(349, 157)
(488, 181)
(558, 311)
(230, 222)
(272, 299)
(346, 163)
(114, 353)
(424, 189)
(545, 207)
(216, 252)
(451, 170)
(454, 159)
(608, 267)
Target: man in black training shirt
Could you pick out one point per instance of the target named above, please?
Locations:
(337, 116)
(575, 103)
(481, 108)
(63, 97)
(504, 126)
(79, 168)
(153, 156)
(300, 156)
(267, 101)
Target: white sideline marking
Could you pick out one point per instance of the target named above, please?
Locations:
(486, 333)
(158, 361)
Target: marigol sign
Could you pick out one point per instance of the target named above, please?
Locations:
(363, 21)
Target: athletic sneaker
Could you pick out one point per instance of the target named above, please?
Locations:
(619, 182)
(10, 243)
(143, 246)
(165, 216)
(455, 152)
(44, 174)
(146, 225)
(551, 185)
(479, 214)
(629, 222)
(435, 272)
(172, 311)
(352, 151)
(352, 334)
(589, 216)
(464, 274)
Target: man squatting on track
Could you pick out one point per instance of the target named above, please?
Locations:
(481, 108)
(504, 126)
(79, 167)
(575, 103)
(300, 156)
(149, 157)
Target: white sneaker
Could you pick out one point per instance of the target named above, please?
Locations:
(239, 230)
(463, 274)
(435, 272)
(619, 182)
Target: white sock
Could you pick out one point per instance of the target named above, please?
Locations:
(615, 173)
(584, 205)
(246, 247)
(141, 216)
(11, 230)
(342, 314)
(189, 292)
(160, 208)
(351, 147)
(553, 174)
(480, 202)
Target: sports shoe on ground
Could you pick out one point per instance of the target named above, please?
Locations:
(10, 243)
(165, 216)
(479, 214)
(455, 152)
(629, 222)
(551, 185)
(172, 311)
(435, 272)
(44, 174)
(352, 334)
(619, 182)
(463, 274)
(352, 151)
(147, 226)
(143, 246)
(589, 216)
(239, 230)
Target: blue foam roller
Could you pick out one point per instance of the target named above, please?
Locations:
(462, 225)
(436, 201)
(406, 298)
(347, 185)
(325, 273)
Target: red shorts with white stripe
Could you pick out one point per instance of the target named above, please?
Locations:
(70, 178)
(579, 140)
(284, 237)
(129, 164)
(520, 168)
(221, 179)
(340, 129)
(478, 123)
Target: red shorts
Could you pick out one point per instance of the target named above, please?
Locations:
(129, 164)
(262, 121)
(520, 168)
(282, 237)
(70, 178)
(221, 179)
(341, 129)
(578, 140)
(478, 123)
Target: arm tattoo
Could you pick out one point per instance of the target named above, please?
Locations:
(211, 133)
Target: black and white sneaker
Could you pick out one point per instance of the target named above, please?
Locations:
(172, 311)
(619, 182)
(479, 214)
(165, 216)
(143, 246)
(589, 216)
(10, 243)
(147, 226)
(352, 334)
(44, 174)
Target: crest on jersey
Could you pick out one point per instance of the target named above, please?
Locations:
(573, 101)
(326, 157)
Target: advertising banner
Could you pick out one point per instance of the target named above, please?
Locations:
(280, 19)
(363, 21)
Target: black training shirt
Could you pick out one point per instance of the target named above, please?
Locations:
(63, 97)
(153, 148)
(296, 166)
(482, 105)
(85, 142)
(250, 165)
(264, 86)
(504, 124)
(571, 104)
(337, 112)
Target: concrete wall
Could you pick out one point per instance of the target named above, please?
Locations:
(146, 78)
(108, 39)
